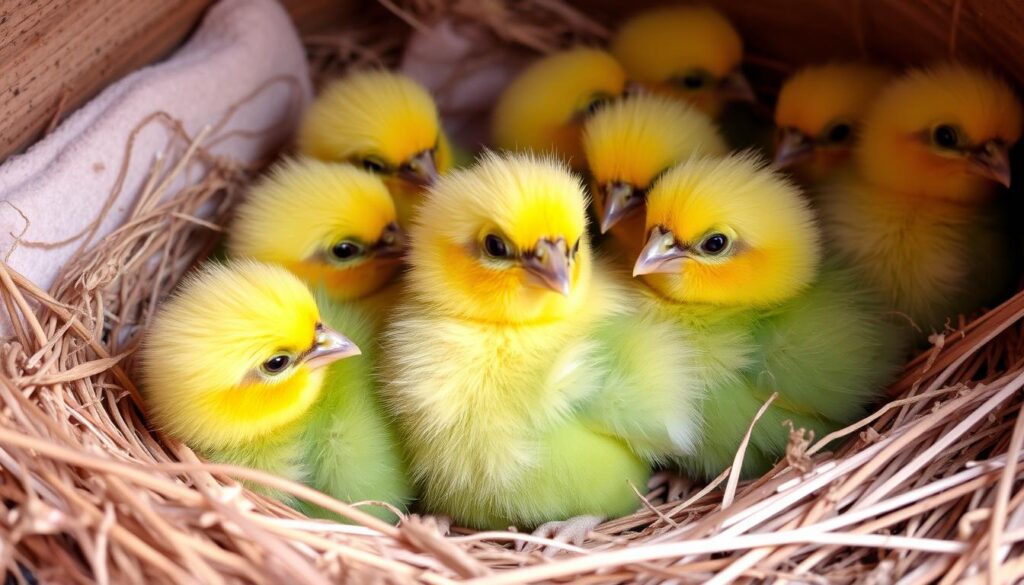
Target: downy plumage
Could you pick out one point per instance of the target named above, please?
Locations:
(518, 377)
(240, 365)
(917, 218)
(544, 109)
(333, 225)
(384, 122)
(732, 260)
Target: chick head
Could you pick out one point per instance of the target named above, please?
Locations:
(237, 353)
(503, 242)
(544, 109)
(688, 52)
(819, 114)
(630, 143)
(333, 225)
(382, 121)
(728, 231)
(943, 132)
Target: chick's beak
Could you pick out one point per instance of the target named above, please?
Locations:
(329, 347)
(420, 170)
(792, 147)
(620, 200)
(735, 87)
(548, 266)
(660, 254)
(991, 161)
(392, 243)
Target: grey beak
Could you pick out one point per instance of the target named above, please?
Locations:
(620, 200)
(420, 170)
(329, 347)
(992, 161)
(792, 147)
(735, 87)
(392, 243)
(661, 254)
(548, 266)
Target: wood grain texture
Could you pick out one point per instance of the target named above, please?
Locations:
(57, 54)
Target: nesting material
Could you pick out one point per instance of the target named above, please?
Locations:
(925, 489)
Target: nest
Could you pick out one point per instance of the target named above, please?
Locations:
(925, 489)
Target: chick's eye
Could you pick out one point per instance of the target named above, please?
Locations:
(693, 81)
(373, 165)
(345, 250)
(276, 364)
(714, 244)
(945, 136)
(839, 133)
(495, 246)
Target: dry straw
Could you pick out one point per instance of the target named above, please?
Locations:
(923, 490)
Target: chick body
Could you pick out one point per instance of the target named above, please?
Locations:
(333, 225)
(759, 315)
(819, 115)
(628, 145)
(239, 366)
(499, 374)
(384, 122)
(544, 109)
(918, 218)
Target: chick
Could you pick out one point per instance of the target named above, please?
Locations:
(544, 109)
(689, 52)
(732, 260)
(513, 407)
(333, 225)
(240, 366)
(386, 123)
(631, 143)
(918, 218)
(819, 114)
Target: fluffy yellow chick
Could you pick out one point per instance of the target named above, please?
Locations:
(688, 52)
(544, 109)
(333, 225)
(918, 219)
(819, 114)
(631, 143)
(384, 122)
(515, 409)
(240, 365)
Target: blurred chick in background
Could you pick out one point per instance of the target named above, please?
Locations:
(333, 225)
(544, 109)
(384, 122)
(818, 116)
(239, 365)
(918, 219)
(628, 145)
(688, 52)
(732, 260)
(513, 411)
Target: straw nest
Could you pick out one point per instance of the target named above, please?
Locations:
(923, 490)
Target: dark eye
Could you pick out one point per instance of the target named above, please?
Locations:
(693, 81)
(945, 136)
(495, 246)
(373, 165)
(596, 104)
(277, 364)
(839, 133)
(345, 250)
(714, 244)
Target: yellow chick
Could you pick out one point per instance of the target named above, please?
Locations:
(918, 219)
(333, 225)
(544, 109)
(516, 404)
(628, 145)
(386, 123)
(688, 52)
(819, 114)
(240, 366)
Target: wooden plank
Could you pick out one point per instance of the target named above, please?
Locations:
(57, 54)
